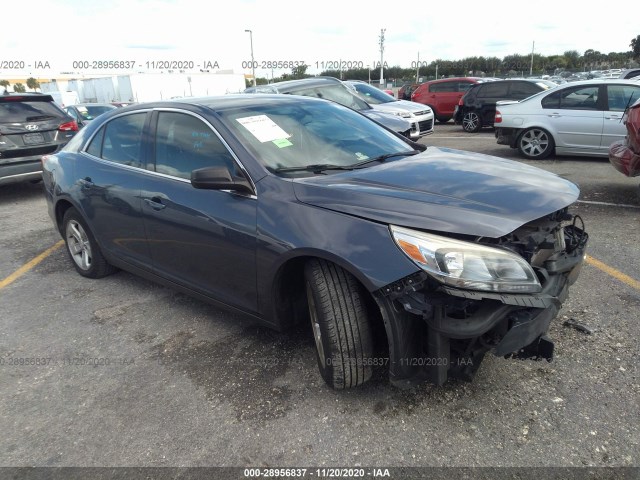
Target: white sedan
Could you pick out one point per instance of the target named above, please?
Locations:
(420, 116)
(578, 118)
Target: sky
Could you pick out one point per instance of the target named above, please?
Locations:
(321, 34)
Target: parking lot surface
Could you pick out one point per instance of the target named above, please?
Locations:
(123, 372)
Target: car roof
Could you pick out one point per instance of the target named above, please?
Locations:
(596, 81)
(223, 102)
(452, 79)
(288, 85)
(93, 105)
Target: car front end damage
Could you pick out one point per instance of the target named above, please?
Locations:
(472, 297)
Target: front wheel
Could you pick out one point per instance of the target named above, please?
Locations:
(471, 121)
(535, 143)
(83, 248)
(340, 324)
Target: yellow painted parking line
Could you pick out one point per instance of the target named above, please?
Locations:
(29, 265)
(632, 282)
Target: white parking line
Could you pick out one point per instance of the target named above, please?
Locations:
(623, 205)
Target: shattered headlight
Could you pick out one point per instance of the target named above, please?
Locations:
(467, 265)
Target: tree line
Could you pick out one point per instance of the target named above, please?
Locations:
(510, 65)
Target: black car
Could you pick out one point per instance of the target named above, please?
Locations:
(292, 209)
(477, 108)
(31, 125)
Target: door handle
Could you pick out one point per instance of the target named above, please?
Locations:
(554, 115)
(614, 117)
(155, 203)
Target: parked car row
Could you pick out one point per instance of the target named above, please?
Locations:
(411, 121)
(477, 107)
(442, 96)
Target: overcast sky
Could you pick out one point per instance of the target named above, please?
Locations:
(61, 31)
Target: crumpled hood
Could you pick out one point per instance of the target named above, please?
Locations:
(443, 190)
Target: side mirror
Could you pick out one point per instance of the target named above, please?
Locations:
(219, 178)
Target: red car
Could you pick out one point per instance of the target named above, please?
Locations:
(624, 155)
(443, 95)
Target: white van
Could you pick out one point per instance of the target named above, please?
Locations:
(64, 99)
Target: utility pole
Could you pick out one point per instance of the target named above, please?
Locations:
(382, 30)
(418, 68)
(531, 67)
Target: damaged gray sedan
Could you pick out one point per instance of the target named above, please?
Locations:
(290, 209)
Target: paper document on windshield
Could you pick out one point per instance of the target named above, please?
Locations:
(263, 128)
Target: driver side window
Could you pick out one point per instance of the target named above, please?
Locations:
(185, 143)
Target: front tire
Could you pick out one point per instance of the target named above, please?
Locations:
(340, 324)
(471, 121)
(535, 143)
(82, 247)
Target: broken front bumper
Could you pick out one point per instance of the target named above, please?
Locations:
(436, 331)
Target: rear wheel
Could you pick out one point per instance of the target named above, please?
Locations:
(341, 328)
(83, 248)
(471, 121)
(535, 143)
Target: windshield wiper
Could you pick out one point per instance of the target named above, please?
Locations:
(319, 168)
(382, 158)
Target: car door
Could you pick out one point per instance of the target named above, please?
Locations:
(619, 97)
(111, 173)
(204, 240)
(444, 96)
(575, 116)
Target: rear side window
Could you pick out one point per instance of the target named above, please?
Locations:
(576, 98)
(444, 87)
(522, 90)
(120, 140)
(493, 90)
(185, 143)
(28, 111)
(463, 86)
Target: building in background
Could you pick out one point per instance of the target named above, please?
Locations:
(146, 87)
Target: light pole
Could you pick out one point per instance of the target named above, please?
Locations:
(253, 63)
(369, 68)
(382, 30)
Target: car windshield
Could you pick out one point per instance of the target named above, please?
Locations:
(372, 95)
(336, 93)
(89, 112)
(298, 135)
